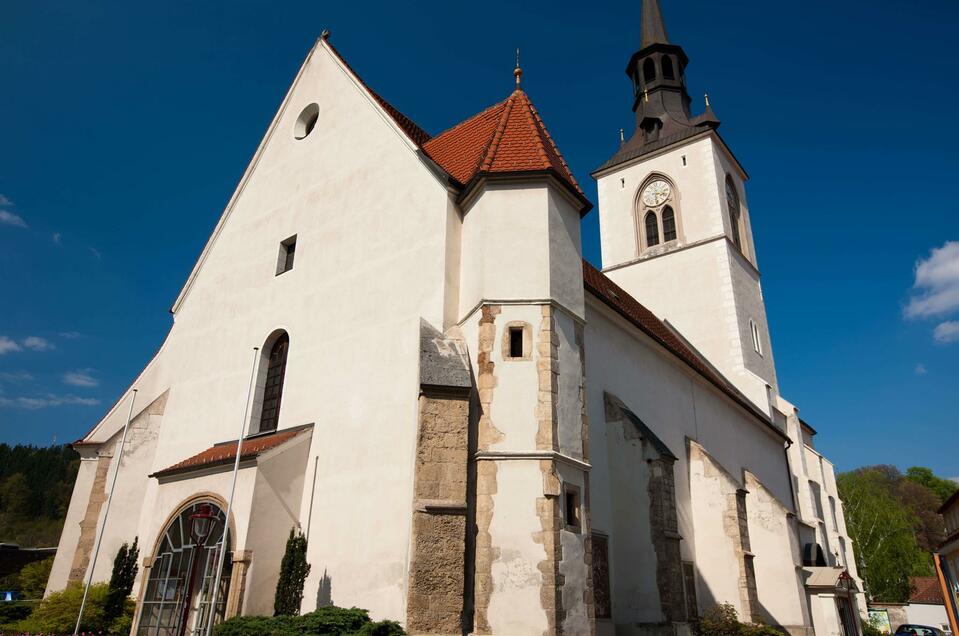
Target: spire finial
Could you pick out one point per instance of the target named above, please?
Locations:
(622, 136)
(706, 98)
(645, 95)
(653, 27)
(517, 72)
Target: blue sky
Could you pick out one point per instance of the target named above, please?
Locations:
(125, 126)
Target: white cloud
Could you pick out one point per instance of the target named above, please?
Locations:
(15, 377)
(70, 335)
(9, 218)
(946, 332)
(936, 288)
(7, 345)
(56, 238)
(36, 343)
(921, 369)
(34, 403)
(96, 253)
(5, 201)
(80, 377)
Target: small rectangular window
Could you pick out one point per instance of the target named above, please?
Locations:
(284, 261)
(571, 508)
(516, 342)
(684, 160)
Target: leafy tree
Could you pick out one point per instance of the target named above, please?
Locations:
(883, 530)
(35, 488)
(121, 580)
(33, 578)
(15, 494)
(943, 488)
(293, 572)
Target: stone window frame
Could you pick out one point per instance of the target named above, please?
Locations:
(284, 258)
(757, 337)
(735, 215)
(640, 210)
(527, 340)
(574, 491)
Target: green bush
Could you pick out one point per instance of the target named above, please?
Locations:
(721, 620)
(13, 612)
(57, 614)
(325, 621)
(33, 578)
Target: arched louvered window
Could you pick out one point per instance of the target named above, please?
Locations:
(668, 69)
(649, 70)
(652, 229)
(669, 224)
(732, 204)
(273, 388)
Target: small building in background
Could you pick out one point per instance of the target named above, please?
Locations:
(947, 560)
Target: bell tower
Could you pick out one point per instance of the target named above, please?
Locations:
(674, 219)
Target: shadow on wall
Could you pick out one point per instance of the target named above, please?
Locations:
(324, 593)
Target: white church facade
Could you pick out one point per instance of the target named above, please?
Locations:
(478, 431)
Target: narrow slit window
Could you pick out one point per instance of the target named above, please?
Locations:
(571, 509)
(757, 341)
(652, 229)
(287, 253)
(669, 224)
(516, 342)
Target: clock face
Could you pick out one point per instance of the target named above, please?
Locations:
(656, 193)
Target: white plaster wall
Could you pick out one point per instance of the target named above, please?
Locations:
(275, 510)
(825, 616)
(372, 224)
(515, 606)
(565, 254)
(676, 404)
(515, 396)
(569, 411)
(923, 614)
(63, 561)
(573, 566)
(778, 584)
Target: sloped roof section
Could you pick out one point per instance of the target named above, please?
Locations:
(926, 590)
(508, 137)
(614, 296)
(225, 452)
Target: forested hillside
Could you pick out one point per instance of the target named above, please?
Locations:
(894, 525)
(35, 488)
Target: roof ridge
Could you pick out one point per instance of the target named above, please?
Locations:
(490, 153)
(534, 123)
(549, 138)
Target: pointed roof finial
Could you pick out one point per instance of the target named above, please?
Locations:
(622, 136)
(706, 98)
(517, 72)
(325, 34)
(653, 27)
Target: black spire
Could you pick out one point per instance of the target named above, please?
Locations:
(660, 99)
(654, 30)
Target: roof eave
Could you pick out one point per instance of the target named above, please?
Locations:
(550, 175)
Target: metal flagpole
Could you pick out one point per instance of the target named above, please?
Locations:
(106, 513)
(229, 502)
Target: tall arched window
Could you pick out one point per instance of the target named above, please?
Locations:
(657, 218)
(273, 387)
(668, 69)
(669, 224)
(732, 204)
(652, 229)
(649, 70)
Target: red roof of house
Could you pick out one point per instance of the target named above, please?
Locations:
(508, 137)
(925, 589)
(225, 452)
(632, 310)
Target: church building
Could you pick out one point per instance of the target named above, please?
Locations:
(477, 431)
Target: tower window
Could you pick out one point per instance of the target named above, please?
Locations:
(652, 229)
(516, 342)
(273, 388)
(669, 225)
(668, 69)
(649, 71)
(757, 342)
(284, 261)
(732, 204)
(571, 508)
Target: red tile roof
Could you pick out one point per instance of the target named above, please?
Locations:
(508, 137)
(225, 452)
(614, 296)
(925, 589)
